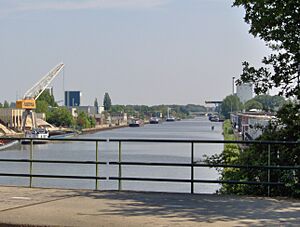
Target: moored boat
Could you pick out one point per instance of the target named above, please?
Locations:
(38, 133)
(170, 118)
(154, 120)
(135, 123)
(4, 144)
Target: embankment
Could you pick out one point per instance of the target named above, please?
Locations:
(103, 128)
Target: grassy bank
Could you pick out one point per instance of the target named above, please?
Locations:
(231, 150)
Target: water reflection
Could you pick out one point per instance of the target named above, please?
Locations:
(199, 128)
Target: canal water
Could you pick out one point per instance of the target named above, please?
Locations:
(198, 128)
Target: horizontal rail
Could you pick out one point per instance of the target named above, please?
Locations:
(152, 140)
(140, 179)
(52, 176)
(151, 164)
(196, 181)
(54, 161)
(202, 165)
(193, 164)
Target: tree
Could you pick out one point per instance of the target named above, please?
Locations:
(1, 105)
(231, 103)
(253, 104)
(45, 96)
(83, 120)
(96, 103)
(270, 103)
(6, 104)
(106, 102)
(60, 116)
(257, 155)
(41, 106)
(117, 108)
(277, 23)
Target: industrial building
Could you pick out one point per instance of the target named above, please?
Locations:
(72, 98)
(244, 92)
(12, 118)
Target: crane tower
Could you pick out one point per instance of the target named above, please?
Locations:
(28, 103)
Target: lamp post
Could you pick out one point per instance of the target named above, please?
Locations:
(233, 85)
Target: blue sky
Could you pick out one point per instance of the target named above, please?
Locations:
(139, 51)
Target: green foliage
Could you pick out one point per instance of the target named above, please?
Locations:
(41, 106)
(44, 101)
(277, 23)
(253, 104)
(285, 128)
(227, 130)
(117, 108)
(231, 103)
(107, 102)
(83, 120)
(45, 96)
(60, 116)
(6, 104)
(180, 111)
(92, 122)
(1, 105)
(270, 103)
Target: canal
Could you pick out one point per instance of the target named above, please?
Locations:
(198, 128)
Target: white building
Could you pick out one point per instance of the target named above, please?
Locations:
(250, 125)
(244, 92)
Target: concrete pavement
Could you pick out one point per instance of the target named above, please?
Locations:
(55, 207)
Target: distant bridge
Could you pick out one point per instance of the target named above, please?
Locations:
(213, 102)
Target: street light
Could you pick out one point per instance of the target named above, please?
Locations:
(233, 85)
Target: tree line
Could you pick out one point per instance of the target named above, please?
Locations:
(267, 103)
(277, 23)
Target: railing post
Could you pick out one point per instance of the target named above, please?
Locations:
(97, 185)
(30, 164)
(120, 167)
(192, 168)
(269, 164)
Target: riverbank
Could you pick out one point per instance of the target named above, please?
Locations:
(101, 128)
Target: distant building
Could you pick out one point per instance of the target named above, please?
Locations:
(244, 92)
(100, 109)
(72, 98)
(119, 118)
(250, 125)
(89, 110)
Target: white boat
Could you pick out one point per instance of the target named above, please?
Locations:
(4, 144)
(38, 133)
(154, 120)
(135, 122)
(169, 117)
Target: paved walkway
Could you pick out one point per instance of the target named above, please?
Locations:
(53, 207)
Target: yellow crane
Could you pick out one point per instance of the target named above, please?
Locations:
(28, 103)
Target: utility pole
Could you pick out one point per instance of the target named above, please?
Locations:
(233, 85)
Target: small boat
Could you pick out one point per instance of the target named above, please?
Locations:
(4, 144)
(214, 118)
(135, 123)
(171, 118)
(38, 133)
(154, 120)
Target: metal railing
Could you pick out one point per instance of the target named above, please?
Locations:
(192, 164)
